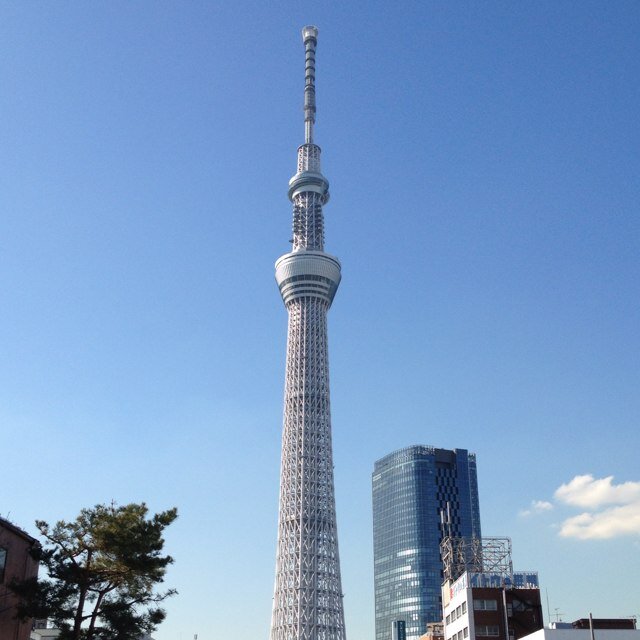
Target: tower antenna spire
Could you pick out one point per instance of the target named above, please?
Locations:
(310, 39)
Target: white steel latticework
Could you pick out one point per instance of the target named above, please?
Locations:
(476, 555)
(307, 603)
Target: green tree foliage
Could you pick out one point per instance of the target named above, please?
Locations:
(102, 572)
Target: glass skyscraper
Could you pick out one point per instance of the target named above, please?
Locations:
(413, 489)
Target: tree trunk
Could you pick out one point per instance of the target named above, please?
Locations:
(77, 621)
(94, 615)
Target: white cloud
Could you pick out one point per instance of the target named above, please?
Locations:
(620, 517)
(610, 523)
(590, 493)
(537, 506)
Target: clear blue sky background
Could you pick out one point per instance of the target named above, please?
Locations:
(484, 163)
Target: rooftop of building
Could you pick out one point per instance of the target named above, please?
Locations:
(605, 623)
(9, 526)
(583, 634)
(598, 623)
(418, 452)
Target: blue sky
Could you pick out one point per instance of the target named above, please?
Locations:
(483, 160)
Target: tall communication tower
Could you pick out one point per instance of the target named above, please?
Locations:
(307, 603)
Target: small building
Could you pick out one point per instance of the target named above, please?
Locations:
(44, 634)
(482, 597)
(578, 633)
(52, 634)
(435, 631)
(16, 562)
(477, 606)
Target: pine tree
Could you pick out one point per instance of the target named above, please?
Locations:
(102, 572)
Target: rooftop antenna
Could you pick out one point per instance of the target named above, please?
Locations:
(548, 610)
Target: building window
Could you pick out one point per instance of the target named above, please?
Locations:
(3, 562)
(465, 632)
(485, 605)
(487, 630)
(464, 607)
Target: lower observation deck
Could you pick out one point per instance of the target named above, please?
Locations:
(308, 274)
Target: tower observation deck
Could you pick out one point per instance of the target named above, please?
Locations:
(307, 603)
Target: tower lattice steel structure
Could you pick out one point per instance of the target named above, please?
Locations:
(307, 603)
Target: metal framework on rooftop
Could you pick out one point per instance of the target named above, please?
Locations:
(476, 555)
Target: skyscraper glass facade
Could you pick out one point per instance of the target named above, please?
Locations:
(412, 487)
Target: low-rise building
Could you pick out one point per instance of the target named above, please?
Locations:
(478, 606)
(600, 632)
(44, 634)
(482, 597)
(435, 631)
(52, 634)
(16, 562)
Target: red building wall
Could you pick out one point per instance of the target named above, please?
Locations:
(15, 562)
